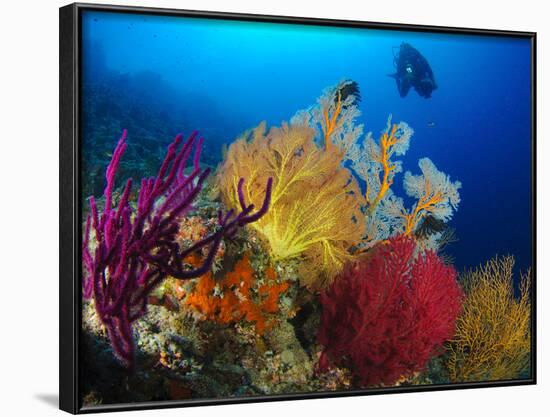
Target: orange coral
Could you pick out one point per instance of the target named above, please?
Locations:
(387, 149)
(330, 123)
(233, 298)
(272, 290)
(425, 205)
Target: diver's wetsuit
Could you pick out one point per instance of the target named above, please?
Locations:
(413, 70)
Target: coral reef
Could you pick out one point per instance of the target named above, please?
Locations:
(146, 105)
(326, 138)
(181, 355)
(385, 317)
(334, 283)
(315, 207)
(493, 333)
(127, 252)
(238, 296)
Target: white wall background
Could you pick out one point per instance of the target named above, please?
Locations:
(29, 205)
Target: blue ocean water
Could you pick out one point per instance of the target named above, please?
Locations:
(222, 77)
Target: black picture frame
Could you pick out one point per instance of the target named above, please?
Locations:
(71, 218)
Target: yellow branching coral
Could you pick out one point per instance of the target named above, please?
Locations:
(493, 333)
(315, 203)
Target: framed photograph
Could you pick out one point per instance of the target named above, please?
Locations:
(259, 208)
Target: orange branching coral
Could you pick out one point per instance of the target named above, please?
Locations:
(424, 205)
(388, 142)
(437, 195)
(493, 334)
(331, 122)
(374, 161)
(238, 296)
(315, 206)
(333, 116)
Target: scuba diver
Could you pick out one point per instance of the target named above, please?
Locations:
(413, 70)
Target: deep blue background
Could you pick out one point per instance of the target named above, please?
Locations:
(228, 76)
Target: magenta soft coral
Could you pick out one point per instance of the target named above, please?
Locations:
(384, 318)
(127, 251)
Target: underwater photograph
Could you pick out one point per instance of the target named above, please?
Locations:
(273, 208)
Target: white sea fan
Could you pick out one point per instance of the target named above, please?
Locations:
(376, 231)
(366, 158)
(438, 242)
(304, 117)
(404, 134)
(432, 182)
(392, 211)
(430, 242)
(361, 156)
(347, 132)
(388, 219)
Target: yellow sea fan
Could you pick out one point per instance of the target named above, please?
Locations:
(493, 333)
(315, 203)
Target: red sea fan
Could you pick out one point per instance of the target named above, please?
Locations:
(384, 318)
